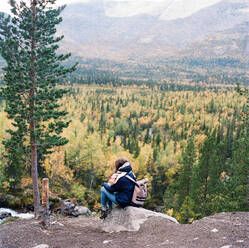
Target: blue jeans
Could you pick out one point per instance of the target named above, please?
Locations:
(107, 198)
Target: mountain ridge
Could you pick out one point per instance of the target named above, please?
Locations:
(233, 42)
(93, 34)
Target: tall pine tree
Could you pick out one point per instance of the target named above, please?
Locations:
(206, 184)
(29, 46)
(238, 179)
(185, 174)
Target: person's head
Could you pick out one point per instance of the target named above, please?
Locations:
(120, 162)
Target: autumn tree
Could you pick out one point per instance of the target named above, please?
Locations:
(29, 46)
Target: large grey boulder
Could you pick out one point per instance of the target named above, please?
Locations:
(82, 210)
(130, 219)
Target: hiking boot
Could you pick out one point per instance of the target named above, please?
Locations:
(103, 214)
(109, 210)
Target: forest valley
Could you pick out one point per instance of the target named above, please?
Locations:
(192, 144)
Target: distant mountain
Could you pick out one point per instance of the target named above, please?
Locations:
(233, 42)
(90, 33)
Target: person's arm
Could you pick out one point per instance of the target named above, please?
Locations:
(113, 187)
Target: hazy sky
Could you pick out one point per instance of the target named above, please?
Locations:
(166, 9)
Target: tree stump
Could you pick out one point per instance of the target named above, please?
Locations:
(45, 203)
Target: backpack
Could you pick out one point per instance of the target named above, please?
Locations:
(115, 177)
(140, 191)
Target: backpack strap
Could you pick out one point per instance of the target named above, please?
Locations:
(115, 177)
(129, 177)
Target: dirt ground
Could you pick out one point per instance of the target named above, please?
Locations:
(224, 230)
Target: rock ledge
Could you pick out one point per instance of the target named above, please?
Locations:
(130, 219)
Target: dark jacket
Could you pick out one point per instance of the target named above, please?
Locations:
(123, 188)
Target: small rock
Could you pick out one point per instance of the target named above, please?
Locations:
(239, 241)
(165, 242)
(41, 246)
(68, 208)
(226, 246)
(214, 230)
(56, 222)
(107, 241)
(4, 215)
(82, 210)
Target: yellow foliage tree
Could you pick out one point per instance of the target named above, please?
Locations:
(56, 171)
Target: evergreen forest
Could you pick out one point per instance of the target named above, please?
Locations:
(192, 144)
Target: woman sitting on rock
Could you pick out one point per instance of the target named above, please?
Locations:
(119, 188)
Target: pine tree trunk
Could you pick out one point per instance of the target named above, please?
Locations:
(34, 170)
(34, 162)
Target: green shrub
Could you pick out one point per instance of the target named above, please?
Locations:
(78, 191)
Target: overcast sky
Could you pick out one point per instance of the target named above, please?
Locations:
(166, 9)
